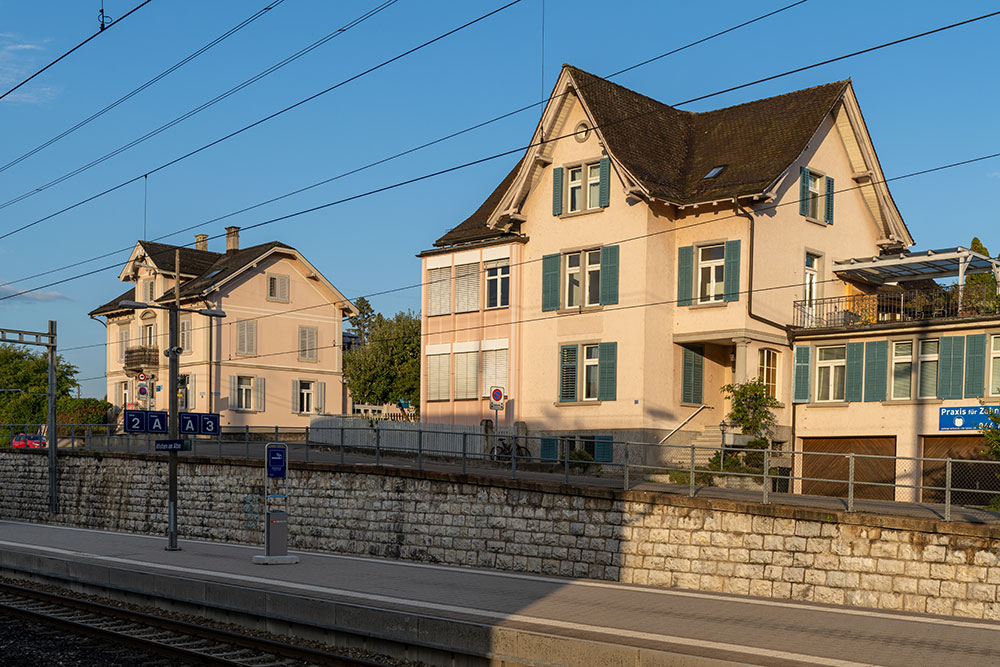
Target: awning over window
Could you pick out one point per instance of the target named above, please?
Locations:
(932, 264)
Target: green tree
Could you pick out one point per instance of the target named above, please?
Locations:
(387, 367)
(982, 278)
(361, 324)
(752, 407)
(24, 375)
(982, 295)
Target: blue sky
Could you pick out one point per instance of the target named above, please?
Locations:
(926, 103)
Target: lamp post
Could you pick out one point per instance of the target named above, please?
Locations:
(172, 353)
(723, 427)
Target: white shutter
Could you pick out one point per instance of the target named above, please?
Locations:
(251, 337)
(123, 334)
(307, 343)
(465, 374)
(437, 377)
(233, 399)
(283, 288)
(185, 334)
(466, 288)
(439, 291)
(295, 395)
(192, 396)
(258, 386)
(494, 370)
(320, 397)
(241, 338)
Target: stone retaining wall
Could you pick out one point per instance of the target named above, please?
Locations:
(644, 538)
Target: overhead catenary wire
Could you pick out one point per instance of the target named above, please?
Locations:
(391, 157)
(198, 109)
(78, 46)
(135, 91)
(265, 119)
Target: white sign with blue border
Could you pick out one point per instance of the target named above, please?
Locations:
(966, 418)
(276, 459)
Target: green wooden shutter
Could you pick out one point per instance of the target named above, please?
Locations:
(803, 191)
(550, 449)
(829, 200)
(855, 364)
(975, 365)
(731, 286)
(691, 377)
(603, 448)
(567, 373)
(876, 370)
(550, 282)
(557, 191)
(951, 358)
(607, 371)
(605, 194)
(803, 374)
(609, 275)
(685, 274)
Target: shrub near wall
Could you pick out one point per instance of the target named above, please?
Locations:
(637, 537)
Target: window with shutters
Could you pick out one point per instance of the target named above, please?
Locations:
(812, 271)
(466, 370)
(123, 394)
(246, 337)
(929, 361)
(816, 192)
(494, 371)
(995, 366)
(244, 392)
(466, 288)
(711, 272)
(123, 342)
(831, 373)
(583, 278)
(149, 335)
(184, 334)
(692, 374)
(277, 287)
(583, 187)
(588, 372)
(439, 291)
(497, 283)
(902, 369)
(308, 341)
(149, 290)
(580, 279)
(438, 375)
(305, 398)
(767, 370)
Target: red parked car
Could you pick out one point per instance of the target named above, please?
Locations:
(29, 441)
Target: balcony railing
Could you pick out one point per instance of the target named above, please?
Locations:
(865, 310)
(142, 357)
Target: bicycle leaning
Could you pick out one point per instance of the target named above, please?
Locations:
(505, 447)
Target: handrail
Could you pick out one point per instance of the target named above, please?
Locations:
(681, 425)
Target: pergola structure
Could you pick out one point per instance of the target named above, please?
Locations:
(931, 264)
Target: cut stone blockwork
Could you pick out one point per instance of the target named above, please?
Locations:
(637, 537)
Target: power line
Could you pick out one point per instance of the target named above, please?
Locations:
(193, 112)
(143, 87)
(264, 119)
(386, 159)
(102, 29)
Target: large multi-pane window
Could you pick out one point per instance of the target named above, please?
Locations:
(498, 283)
(831, 373)
(711, 272)
(902, 369)
(588, 372)
(767, 370)
(928, 369)
(583, 278)
(584, 187)
(995, 366)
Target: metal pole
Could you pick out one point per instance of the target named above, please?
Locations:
(850, 482)
(513, 459)
(463, 452)
(246, 440)
(53, 435)
(767, 475)
(378, 452)
(172, 407)
(307, 443)
(947, 490)
(341, 443)
(566, 461)
(626, 466)
(691, 474)
(420, 450)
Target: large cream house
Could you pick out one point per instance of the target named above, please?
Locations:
(274, 360)
(639, 257)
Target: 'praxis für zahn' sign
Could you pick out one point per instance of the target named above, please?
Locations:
(971, 418)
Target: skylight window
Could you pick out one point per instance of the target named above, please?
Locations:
(714, 171)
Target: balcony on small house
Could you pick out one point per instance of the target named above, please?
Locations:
(141, 357)
(893, 297)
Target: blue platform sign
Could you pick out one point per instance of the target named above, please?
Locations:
(135, 421)
(173, 445)
(209, 424)
(277, 460)
(970, 418)
(188, 423)
(156, 421)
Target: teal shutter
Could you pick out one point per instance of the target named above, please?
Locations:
(685, 274)
(605, 195)
(607, 372)
(550, 282)
(603, 448)
(692, 374)
(803, 374)
(731, 281)
(975, 365)
(550, 449)
(855, 363)
(567, 373)
(829, 200)
(951, 358)
(803, 191)
(609, 275)
(557, 191)
(876, 370)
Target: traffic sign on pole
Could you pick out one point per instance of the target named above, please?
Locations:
(497, 398)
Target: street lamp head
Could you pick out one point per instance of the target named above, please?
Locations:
(128, 303)
(723, 426)
(211, 312)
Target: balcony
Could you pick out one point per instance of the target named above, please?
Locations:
(954, 302)
(141, 358)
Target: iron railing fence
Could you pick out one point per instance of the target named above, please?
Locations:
(863, 310)
(867, 482)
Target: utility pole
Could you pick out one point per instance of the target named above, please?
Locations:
(53, 435)
(172, 417)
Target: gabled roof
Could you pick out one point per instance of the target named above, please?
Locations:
(193, 262)
(474, 227)
(222, 269)
(112, 306)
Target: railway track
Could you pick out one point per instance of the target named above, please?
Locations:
(180, 640)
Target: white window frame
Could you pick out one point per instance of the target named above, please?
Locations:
(307, 396)
(573, 271)
(244, 392)
(994, 389)
(831, 384)
(574, 185)
(439, 291)
(811, 279)
(307, 352)
(466, 375)
(123, 393)
(277, 287)
(586, 280)
(924, 361)
(902, 359)
(767, 370)
(149, 334)
(438, 377)
(467, 287)
(497, 278)
(593, 176)
(590, 365)
(717, 286)
(815, 196)
(586, 185)
(123, 341)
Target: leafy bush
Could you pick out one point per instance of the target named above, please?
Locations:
(580, 460)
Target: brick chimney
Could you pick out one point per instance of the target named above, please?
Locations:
(232, 239)
(201, 241)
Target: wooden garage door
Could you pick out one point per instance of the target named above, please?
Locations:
(866, 471)
(964, 473)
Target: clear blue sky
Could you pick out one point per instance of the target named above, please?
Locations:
(926, 103)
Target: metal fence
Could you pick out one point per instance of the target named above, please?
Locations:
(853, 482)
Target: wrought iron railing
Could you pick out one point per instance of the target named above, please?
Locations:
(863, 310)
(142, 357)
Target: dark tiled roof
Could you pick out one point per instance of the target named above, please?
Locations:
(474, 227)
(193, 262)
(226, 265)
(112, 306)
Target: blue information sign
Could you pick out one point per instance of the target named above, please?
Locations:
(277, 460)
(173, 446)
(966, 418)
(188, 423)
(156, 421)
(209, 424)
(135, 421)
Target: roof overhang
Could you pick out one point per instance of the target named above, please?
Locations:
(932, 264)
